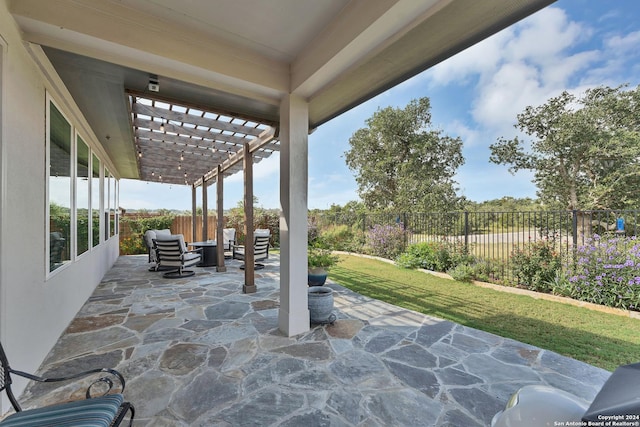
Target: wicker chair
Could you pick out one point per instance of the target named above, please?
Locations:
(106, 410)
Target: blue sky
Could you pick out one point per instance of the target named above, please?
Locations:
(476, 95)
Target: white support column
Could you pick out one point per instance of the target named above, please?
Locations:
(293, 318)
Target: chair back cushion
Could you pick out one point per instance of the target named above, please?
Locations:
(169, 251)
(228, 236)
(95, 412)
(149, 237)
(261, 247)
(166, 237)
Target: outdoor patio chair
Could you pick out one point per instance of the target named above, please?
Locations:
(260, 248)
(173, 255)
(149, 237)
(228, 239)
(106, 410)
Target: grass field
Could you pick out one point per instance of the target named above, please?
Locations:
(600, 339)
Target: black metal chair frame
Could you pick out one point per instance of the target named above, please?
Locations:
(5, 385)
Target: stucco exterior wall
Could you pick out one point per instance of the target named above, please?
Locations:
(35, 307)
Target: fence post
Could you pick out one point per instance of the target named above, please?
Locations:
(466, 231)
(574, 228)
(404, 229)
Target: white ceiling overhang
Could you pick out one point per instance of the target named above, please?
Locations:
(244, 56)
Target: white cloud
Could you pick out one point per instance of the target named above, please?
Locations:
(624, 44)
(470, 137)
(480, 59)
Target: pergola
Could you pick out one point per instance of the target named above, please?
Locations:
(232, 77)
(191, 145)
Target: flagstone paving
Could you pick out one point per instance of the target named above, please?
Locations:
(197, 352)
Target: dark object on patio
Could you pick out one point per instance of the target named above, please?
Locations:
(260, 248)
(619, 397)
(173, 254)
(536, 405)
(102, 411)
(149, 241)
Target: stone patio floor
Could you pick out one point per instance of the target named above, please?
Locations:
(198, 352)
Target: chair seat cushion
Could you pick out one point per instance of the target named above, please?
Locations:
(96, 412)
(190, 256)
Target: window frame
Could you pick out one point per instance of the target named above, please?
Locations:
(51, 102)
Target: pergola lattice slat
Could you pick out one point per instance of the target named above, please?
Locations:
(181, 144)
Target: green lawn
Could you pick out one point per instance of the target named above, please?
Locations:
(600, 339)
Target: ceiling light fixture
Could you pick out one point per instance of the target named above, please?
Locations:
(154, 85)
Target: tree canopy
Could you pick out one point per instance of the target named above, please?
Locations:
(401, 163)
(584, 150)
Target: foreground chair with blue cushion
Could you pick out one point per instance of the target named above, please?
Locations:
(103, 411)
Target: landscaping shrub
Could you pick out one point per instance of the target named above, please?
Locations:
(386, 241)
(536, 265)
(133, 244)
(489, 270)
(462, 273)
(262, 218)
(436, 256)
(606, 271)
(427, 255)
(342, 238)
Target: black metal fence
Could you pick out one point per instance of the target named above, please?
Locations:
(494, 236)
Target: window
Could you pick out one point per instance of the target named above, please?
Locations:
(80, 191)
(82, 196)
(59, 189)
(95, 200)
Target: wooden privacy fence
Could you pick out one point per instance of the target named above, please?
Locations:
(183, 225)
(132, 228)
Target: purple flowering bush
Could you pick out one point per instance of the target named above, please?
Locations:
(606, 271)
(386, 241)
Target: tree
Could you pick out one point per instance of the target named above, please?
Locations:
(401, 163)
(584, 152)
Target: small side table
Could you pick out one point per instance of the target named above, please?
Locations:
(209, 253)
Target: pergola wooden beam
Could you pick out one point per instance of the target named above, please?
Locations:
(263, 139)
(249, 286)
(220, 221)
(207, 122)
(173, 139)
